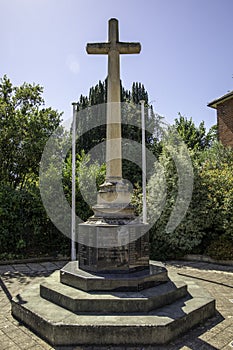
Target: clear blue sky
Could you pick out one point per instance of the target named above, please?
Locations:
(186, 59)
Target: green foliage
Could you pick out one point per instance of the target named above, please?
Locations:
(220, 249)
(209, 217)
(173, 172)
(131, 122)
(25, 228)
(24, 129)
(196, 138)
(89, 176)
(216, 172)
(25, 126)
(139, 93)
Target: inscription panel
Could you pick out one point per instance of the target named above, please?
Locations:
(111, 252)
(87, 253)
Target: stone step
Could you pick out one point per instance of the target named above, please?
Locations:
(73, 276)
(111, 302)
(61, 327)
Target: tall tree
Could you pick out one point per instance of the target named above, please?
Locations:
(195, 137)
(131, 120)
(25, 126)
(98, 96)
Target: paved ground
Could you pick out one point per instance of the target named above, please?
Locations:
(216, 333)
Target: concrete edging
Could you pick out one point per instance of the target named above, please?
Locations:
(34, 260)
(205, 258)
(188, 257)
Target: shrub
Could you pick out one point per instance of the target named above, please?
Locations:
(24, 226)
(210, 213)
(220, 249)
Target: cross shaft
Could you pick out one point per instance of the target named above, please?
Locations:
(113, 48)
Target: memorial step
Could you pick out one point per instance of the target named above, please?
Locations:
(111, 302)
(73, 276)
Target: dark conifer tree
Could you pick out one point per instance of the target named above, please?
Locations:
(98, 96)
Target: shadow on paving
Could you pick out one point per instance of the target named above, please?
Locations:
(22, 278)
(206, 280)
(5, 289)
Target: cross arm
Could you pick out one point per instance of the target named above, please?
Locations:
(128, 48)
(98, 48)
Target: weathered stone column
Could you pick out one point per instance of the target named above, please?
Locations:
(113, 150)
(113, 196)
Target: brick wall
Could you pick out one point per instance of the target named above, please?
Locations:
(225, 122)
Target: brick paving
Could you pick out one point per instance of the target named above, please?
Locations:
(216, 333)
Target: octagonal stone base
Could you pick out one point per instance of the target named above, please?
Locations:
(66, 316)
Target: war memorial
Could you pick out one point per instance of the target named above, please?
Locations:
(113, 294)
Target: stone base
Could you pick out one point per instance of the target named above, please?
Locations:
(79, 301)
(113, 200)
(66, 316)
(73, 276)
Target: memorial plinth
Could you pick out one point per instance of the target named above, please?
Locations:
(123, 252)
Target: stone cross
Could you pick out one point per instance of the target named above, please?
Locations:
(113, 48)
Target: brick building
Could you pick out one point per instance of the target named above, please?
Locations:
(224, 106)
